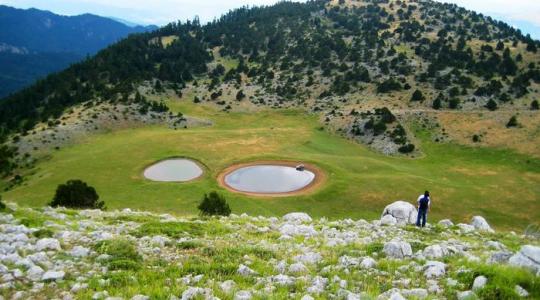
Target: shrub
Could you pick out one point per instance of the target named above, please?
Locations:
(491, 105)
(406, 148)
(76, 194)
(437, 103)
(417, 96)
(512, 122)
(214, 204)
(123, 254)
(453, 103)
(534, 105)
(2, 205)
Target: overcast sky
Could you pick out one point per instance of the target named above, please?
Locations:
(523, 14)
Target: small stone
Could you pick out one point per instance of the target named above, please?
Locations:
(227, 286)
(48, 244)
(297, 217)
(368, 263)
(446, 223)
(245, 270)
(466, 295)
(434, 269)
(243, 295)
(79, 251)
(521, 291)
(53, 275)
(388, 220)
(479, 283)
(397, 249)
(298, 268)
(481, 224)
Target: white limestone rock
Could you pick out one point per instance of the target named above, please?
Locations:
(243, 295)
(297, 218)
(403, 212)
(479, 283)
(481, 224)
(446, 223)
(48, 244)
(245, 271)
(53, 275)
(397, 249)
(388, 220)
(528, 257)
(368, 263)
(434, 269)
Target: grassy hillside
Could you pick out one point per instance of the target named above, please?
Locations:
(361, 182)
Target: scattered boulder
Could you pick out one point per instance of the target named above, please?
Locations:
(48, 244)
(53, 275)
(297, 217)
(227, 286)
(479, 283)
(481, 224)
(195, 292)
(465, 228)
(296, 230)
(368, 263)
(403, 212)
(388, 220)
(521, 291)
(528, 257)
(435, 251)
(466, 295)
(79, 251)
(245, 271)
(298, 268)
(243, 295)
(397, 249)
(446, 223)
(434, 269)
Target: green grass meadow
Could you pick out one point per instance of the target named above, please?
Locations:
(499, 184)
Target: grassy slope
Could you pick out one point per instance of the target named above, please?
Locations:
(499, 184)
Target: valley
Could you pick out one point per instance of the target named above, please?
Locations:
(462, 179)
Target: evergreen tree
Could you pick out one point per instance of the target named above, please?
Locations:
(417, 96)
(491, 105)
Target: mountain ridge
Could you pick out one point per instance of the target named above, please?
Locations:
(352, 62)
(34, 43)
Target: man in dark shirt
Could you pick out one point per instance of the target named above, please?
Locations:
(424, 205)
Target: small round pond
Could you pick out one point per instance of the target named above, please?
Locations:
(173, 170)
(269, 179)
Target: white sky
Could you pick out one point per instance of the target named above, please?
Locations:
(524, 14)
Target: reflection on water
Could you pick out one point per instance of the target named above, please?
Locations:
(268, 179)
(173, 170)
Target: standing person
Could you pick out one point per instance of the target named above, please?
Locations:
(424, 205)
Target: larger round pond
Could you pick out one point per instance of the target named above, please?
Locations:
(268, 179)
(173, 170)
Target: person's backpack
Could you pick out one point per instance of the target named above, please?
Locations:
(424, 202)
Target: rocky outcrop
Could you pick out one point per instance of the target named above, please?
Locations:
(247, 257)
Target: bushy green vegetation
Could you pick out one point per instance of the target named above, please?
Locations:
(214, 204)
(123, 254)
(76, 194)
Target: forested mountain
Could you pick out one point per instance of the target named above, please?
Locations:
(327, 56)
(34, 43)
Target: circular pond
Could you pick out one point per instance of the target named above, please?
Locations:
(268, 179)
(173, 170)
